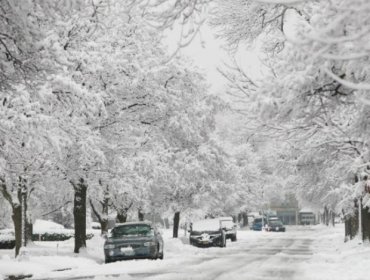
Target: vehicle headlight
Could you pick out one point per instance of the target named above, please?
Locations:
(150, 243)
(109, 246)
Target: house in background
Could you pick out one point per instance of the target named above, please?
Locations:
(287, 211)
(306, 217)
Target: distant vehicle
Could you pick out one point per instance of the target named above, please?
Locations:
(252, 216)
(338, 220)
(95, 225)
(275, 225)
(250, 219)
(133, 240)
(206, 233)
(229, 226)
(257, 224)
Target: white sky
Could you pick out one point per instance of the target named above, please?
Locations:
(208, 54)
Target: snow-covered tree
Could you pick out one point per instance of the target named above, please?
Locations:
(314, 95)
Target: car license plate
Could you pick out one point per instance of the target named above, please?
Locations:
(127, 251)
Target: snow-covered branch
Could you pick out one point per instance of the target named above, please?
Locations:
(348, 84)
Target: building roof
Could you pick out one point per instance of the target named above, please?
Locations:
(306, 210)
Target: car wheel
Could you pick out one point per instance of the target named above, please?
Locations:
(107, 260)
(233, 238)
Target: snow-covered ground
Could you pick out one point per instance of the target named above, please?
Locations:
(300, 253)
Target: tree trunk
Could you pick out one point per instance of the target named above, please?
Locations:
(17, 220)
(105, 210)
(351, 225)
(176, 223)
(245, 219)
(366, 223)
(121, 217)
(102, 217)
(140, 215)
(326, 216)
(16, 214)
(29, 231)
(332, 218)
(79, 213)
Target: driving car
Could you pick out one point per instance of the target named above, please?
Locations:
(207, 233)
(275, 225)
(133, 240)
(257, 224)
(230, 228)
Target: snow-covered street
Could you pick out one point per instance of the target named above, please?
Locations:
(185, 139)
(305, 253)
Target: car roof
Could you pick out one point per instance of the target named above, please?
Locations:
(274, 221)
(225, 218)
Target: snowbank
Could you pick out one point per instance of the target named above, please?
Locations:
(334, 259)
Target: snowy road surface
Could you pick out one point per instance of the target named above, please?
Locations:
(277, 256)
(303, 253)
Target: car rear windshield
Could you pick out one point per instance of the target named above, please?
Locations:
(257, 220)
(132, 230)
(276, 223)
(226, 223)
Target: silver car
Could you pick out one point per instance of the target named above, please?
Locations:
(133, 240)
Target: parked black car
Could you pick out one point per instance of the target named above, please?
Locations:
(275, 225)
(133, 240)
(207, 233)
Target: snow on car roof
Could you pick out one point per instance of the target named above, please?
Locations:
(306, 210)
(226, 221)
(206, 225)
(225, 218)
(135, 223)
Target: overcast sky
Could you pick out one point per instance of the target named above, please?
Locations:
(208, 54)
